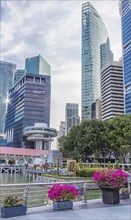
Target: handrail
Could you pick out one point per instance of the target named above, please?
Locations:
(48, 184)
(35, 194)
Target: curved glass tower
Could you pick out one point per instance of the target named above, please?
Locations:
(94, 34)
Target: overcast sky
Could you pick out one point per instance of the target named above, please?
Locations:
(53, 29)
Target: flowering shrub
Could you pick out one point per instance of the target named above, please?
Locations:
(124, 190)
(62, 193)
(12, 201)
(110, 177)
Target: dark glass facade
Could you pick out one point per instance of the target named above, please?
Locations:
(30, 104)
(7, 71)
(125, 11)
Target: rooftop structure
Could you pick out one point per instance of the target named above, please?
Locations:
(37, 65)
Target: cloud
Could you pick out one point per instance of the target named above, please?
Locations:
(53, 29)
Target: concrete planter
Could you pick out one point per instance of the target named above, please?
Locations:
(124, 195)
(13, 211)
(110, 195)
(62, 205)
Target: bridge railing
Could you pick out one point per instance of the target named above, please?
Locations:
(35, 194)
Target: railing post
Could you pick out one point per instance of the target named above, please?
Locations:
(25, 195)
(82, 192)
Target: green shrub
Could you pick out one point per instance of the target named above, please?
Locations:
(117, 166)
(87, 172)
(109, 165)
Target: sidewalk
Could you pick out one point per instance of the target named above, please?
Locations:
(92, 210)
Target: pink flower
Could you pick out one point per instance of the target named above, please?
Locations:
(110, 177)
(62, 193)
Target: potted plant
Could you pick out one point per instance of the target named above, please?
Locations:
(45, 166)
(12, 206)
(110, 181)
(62, 196)
(124, 193)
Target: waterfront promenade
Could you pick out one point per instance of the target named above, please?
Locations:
(92, 210)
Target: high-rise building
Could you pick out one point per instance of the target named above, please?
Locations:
(94, 34)
(37, 65)
(71, 116)
(106, 54)
(18, 75)
(112, 94)
(7, 71)
(125, 11)
(96, 109)
(61, 129)
(29, 104)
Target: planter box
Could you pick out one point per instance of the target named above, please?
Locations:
(62, 205)
(13, 211)
(124, 195)
(110, 195)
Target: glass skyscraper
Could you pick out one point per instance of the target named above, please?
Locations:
(125, 11)
(71, 116)
(18, 75)
(94, 34)
(7, 71)
(37, 65)
(29, 104)
(106, 54)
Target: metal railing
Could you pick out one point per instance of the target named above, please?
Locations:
(35, 194)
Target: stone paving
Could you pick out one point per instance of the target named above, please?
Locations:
(92, 210)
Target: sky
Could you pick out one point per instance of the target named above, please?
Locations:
(53, 29)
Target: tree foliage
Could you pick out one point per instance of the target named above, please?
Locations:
(97, 138)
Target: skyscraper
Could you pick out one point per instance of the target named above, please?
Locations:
(29, 104)
(37, 65)
(18, 75)
(112, 90)
(7, 71)
(94, 34)
(106, 54)
(125, 11)
(71, 116)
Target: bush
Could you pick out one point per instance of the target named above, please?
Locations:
(110, 177)
(62, 193)
(87, 172)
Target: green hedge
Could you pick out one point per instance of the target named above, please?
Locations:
(87, 172)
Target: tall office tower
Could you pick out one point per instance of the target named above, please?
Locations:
(106, 54)
(29, 104)
(7, 71)
(61, 129)
(71, 116)
(94, 34)
(125, 11)
(37, 65)
(96, 109)
(19, 73)
(61, 133)
(112, 90)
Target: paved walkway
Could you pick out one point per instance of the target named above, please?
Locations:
(93, 210)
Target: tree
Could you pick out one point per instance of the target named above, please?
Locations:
(97, 138)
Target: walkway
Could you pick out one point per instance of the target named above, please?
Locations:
(93, 210)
